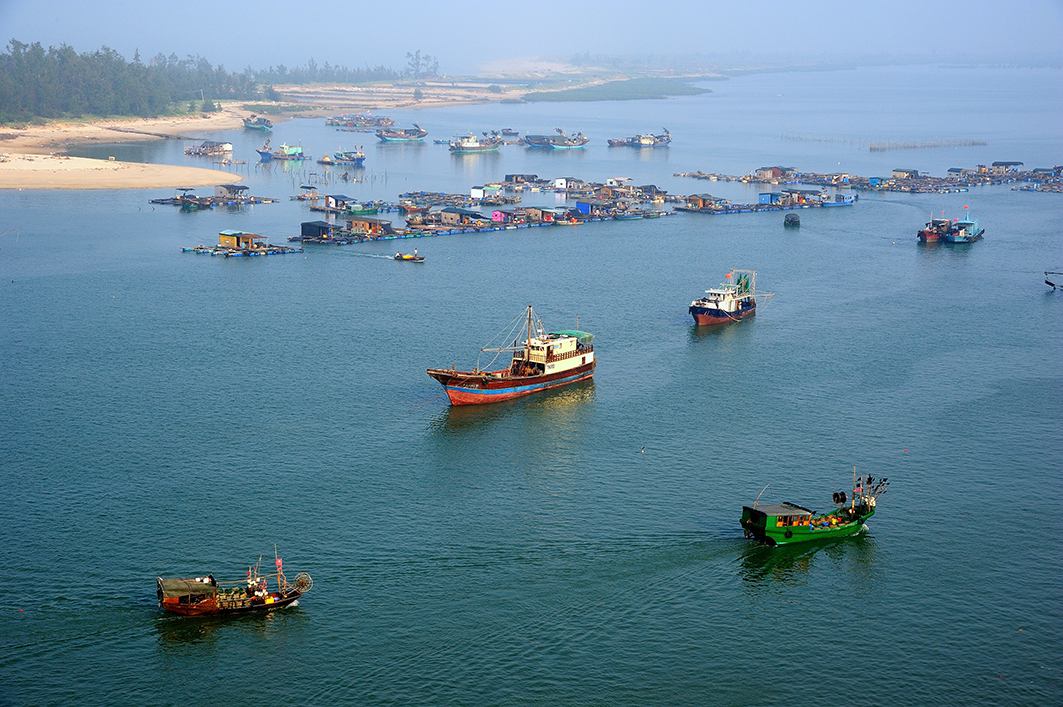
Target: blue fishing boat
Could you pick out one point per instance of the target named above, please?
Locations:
(966, 230)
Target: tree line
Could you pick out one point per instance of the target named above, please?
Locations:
(58, 82)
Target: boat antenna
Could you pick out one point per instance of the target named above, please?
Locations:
(759, 495)
(527, 349)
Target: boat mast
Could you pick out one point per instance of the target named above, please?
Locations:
(527, 346)
(852, 501)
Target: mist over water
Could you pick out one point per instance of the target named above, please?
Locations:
(163, 413)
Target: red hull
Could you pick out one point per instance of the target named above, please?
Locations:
(466, 388)
(708, 319)
(211, 608)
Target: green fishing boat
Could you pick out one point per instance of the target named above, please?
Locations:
(786, 523)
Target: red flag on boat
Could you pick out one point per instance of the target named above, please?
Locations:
(727, 275)
(278, 563)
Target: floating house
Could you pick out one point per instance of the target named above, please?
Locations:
(239, 240)
(705, 201)
(458, 216)
(905, 174)
(231, 192)
(773, 172)
(317, 229)
(370, 225)
(801, 196)
(1005, 167)
(771, 197)
(507, 215)
(338, 202)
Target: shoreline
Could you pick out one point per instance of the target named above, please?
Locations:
(58, 136)
(32, 158)
(46, 172)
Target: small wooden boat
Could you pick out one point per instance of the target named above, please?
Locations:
(414, 258)
(787, 522)
(206, 596)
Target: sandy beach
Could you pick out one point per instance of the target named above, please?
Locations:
(54, 137)
(29, 171)
(30, 157)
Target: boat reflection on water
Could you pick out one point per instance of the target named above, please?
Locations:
(558, 406)
(179, 633)
(765, 567)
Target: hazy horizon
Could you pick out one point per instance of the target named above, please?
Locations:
(238, 33)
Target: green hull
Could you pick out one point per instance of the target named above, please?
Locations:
(780, 526)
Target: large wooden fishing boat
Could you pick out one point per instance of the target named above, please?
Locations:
(561, 141)
(415, 134)
(470, 143)
(206, 596)
(785, 523)
(730, 302)
(542, 362)
(643, 140)
(257, 122)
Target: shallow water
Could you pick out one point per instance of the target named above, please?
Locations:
(163, 413)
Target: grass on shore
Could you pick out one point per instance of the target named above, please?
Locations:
(627, 90)
(277, 108)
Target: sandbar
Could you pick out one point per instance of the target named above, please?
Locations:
(29, 171)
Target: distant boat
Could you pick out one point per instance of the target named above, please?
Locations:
(360, 120)
(415, 134)
(257, 122)
(1049, 282)
(471, 143)
(544, 361)
(354, 158)
(965, 230)
(286, 152)
(786, 523)
(791, 221)
(406, 257)
(561, 141)
(934, 230)
(209, 147)
(510, 132)
(643, 140)
(730, 302)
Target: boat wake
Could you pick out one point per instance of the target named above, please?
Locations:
(370, 255)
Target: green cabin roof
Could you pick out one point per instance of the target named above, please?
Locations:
(583, 336)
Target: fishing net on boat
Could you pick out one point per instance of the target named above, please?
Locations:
(515, 331)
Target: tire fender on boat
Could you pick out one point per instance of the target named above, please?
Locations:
(788, 534)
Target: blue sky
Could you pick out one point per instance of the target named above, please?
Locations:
(463, 36)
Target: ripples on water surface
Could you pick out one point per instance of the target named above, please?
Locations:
(169, 414)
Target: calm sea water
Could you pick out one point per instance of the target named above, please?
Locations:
(163, 413)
